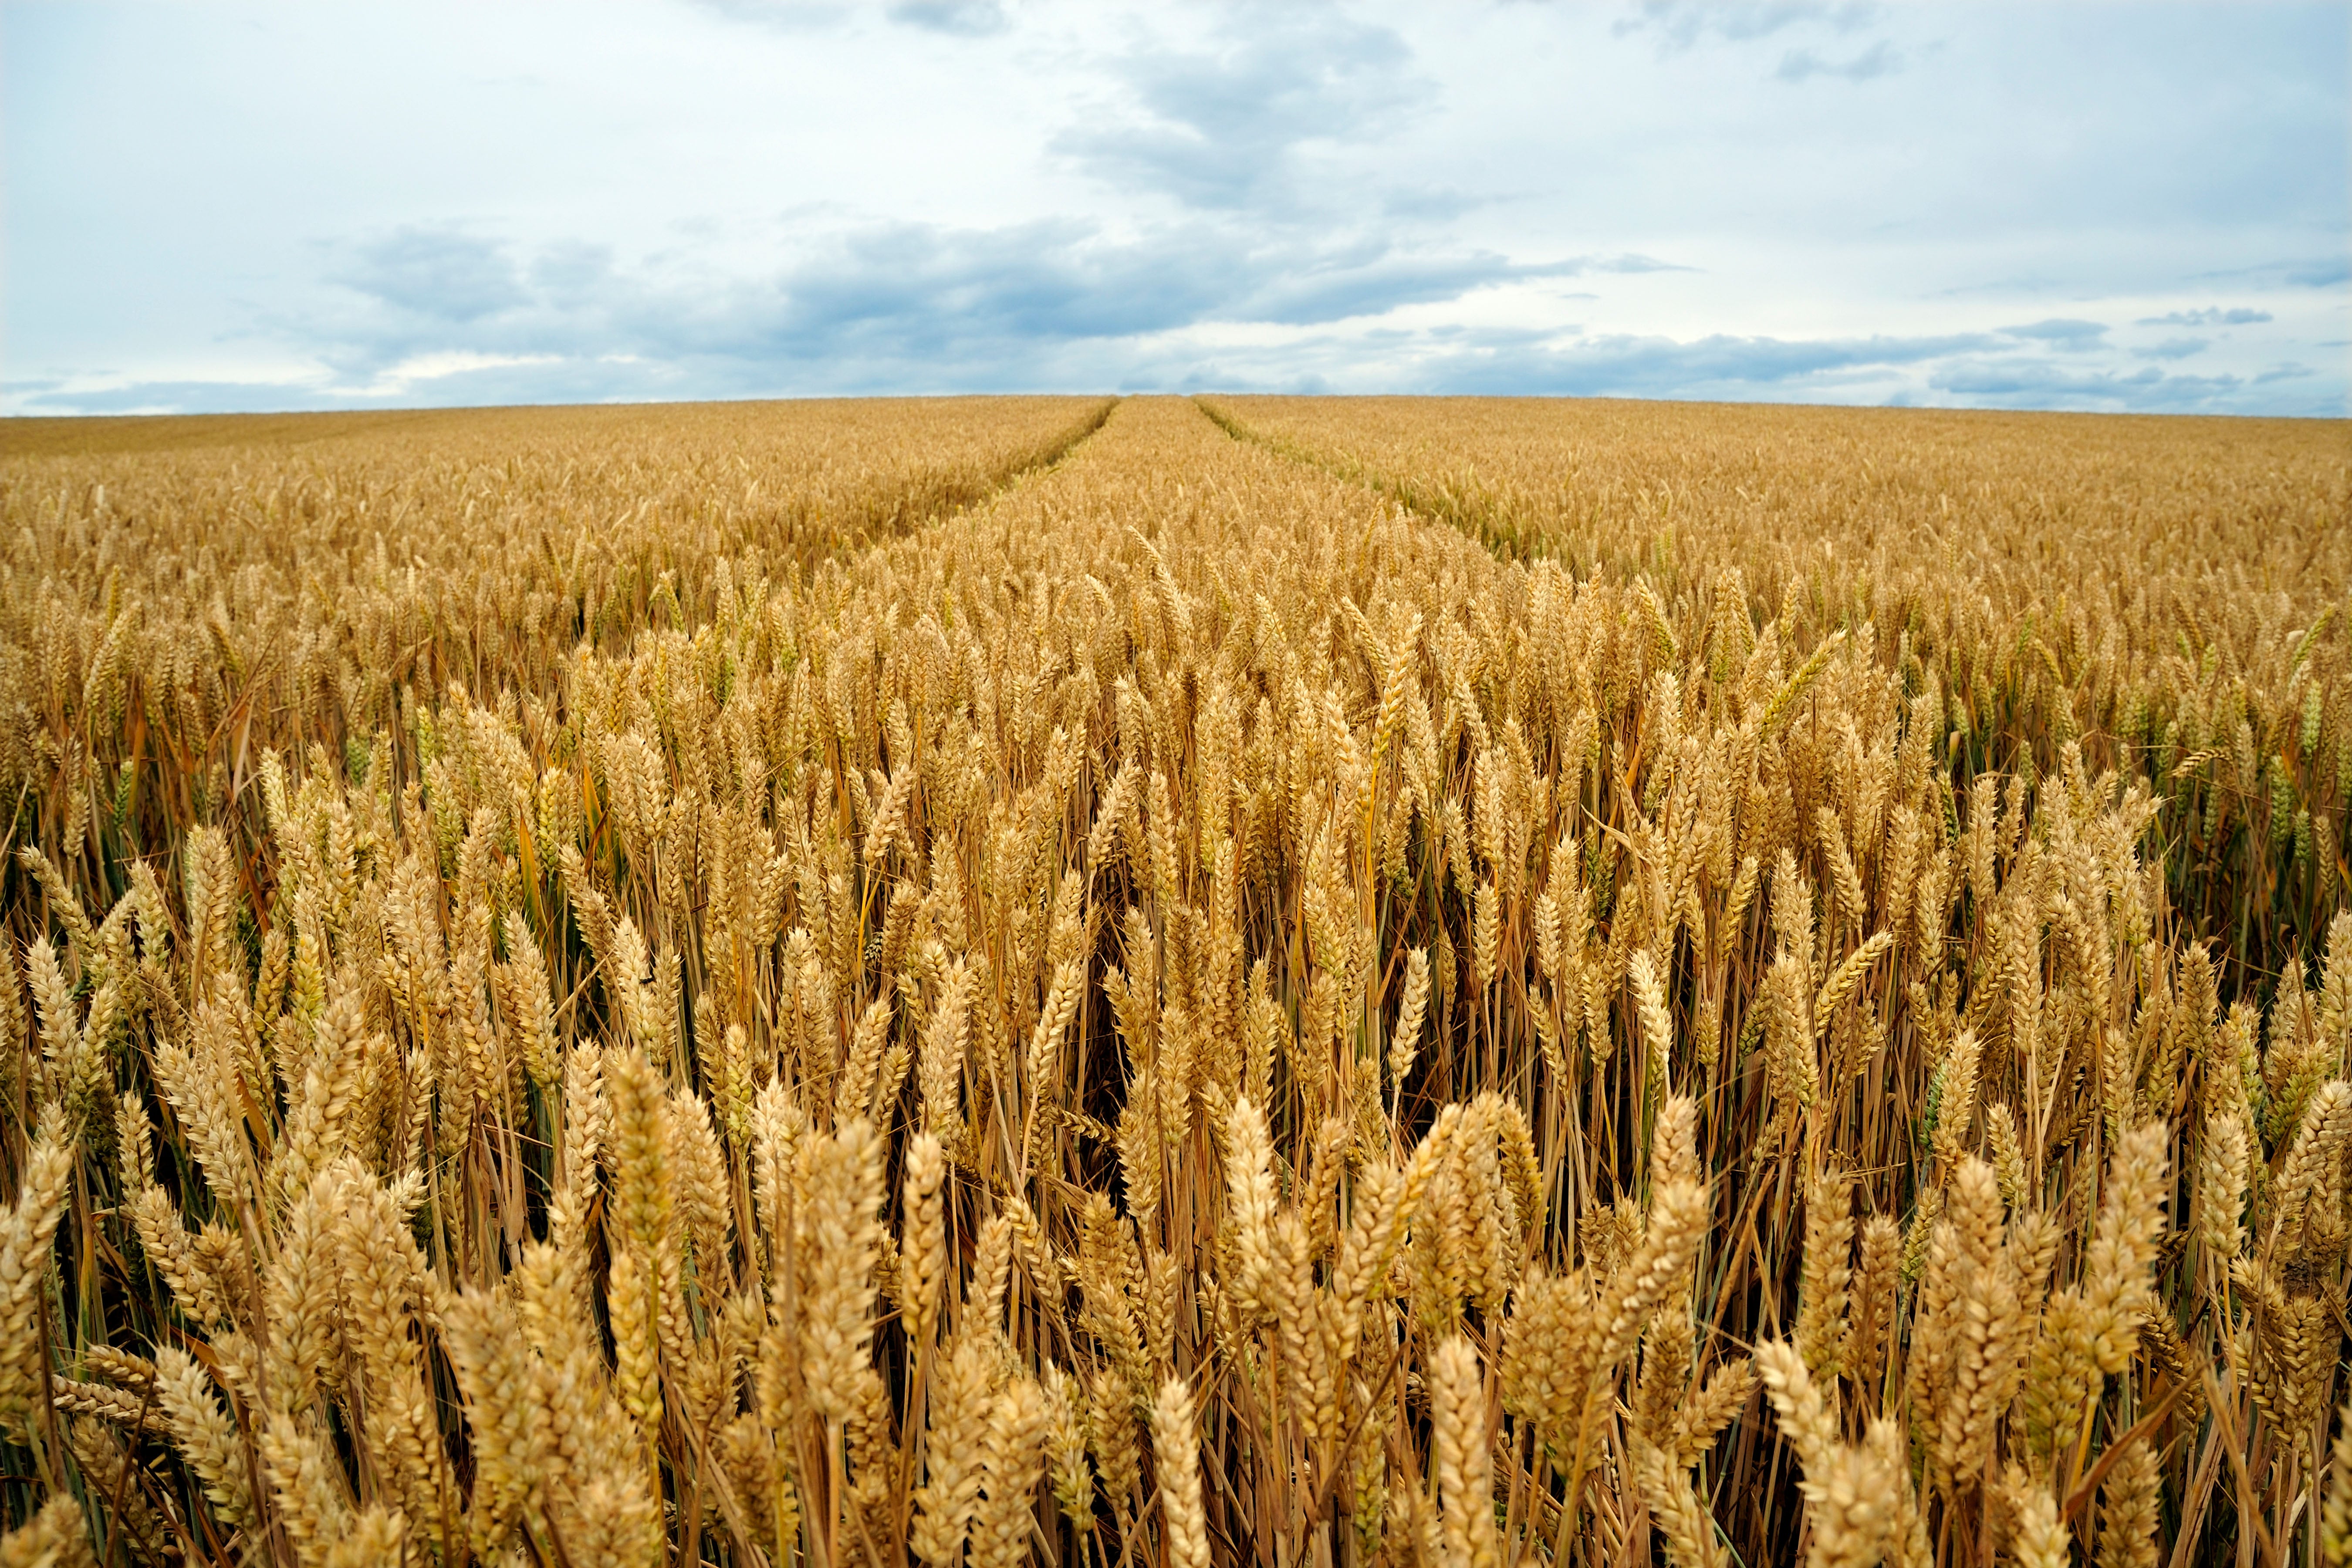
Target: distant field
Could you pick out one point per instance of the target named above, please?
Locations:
(497, 430)
(90, 437)
(1239, 980)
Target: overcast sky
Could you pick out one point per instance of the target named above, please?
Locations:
(259, 205)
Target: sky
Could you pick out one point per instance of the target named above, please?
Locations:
(259, 205)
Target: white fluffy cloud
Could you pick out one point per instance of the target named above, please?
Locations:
(256, 205)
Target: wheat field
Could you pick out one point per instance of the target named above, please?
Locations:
(1292, 982)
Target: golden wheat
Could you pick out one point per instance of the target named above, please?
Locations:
(858, 983)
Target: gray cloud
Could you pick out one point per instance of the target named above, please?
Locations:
(2304, 272)
(2061, 333)
(1622, 364)
(449, 316)
(1959, 369)
(2212, 316)
(1880, 60)
(1681, 24)
(743, 352)
(1965, 369)
(2323, 273)
(966, 18)
(442, 274)
(587, 380)
(2040, 384)
(1222, 128)
(888, 295)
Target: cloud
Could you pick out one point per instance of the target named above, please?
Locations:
(2325, 273)
(1680, 24)
(1879, 59)
(449, 316)
(966, 18)
(1223, 129)
(1625, 364)
(2304, 272)
(2212, 316)
(1064, 281)
(931, 305)
(1968, 369)
(2061, 333)
(917, 287)
(397, 379)
(1428, 205)
(443, 274)
(878, 339)
(493, 381)
(1631, 261)
(788, 15)
(1350, 287)
(2021, 382)
(1373, 280)
(167, 397)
